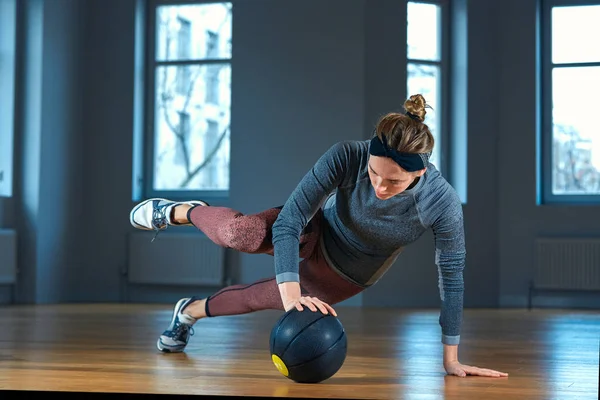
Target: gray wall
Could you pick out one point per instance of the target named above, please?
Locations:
(47, 201)
(295, 88)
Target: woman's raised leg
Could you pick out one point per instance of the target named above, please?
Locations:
(248, 233)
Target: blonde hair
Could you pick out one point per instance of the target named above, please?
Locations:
(407, 133)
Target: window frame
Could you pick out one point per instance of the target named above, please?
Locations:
(545, 67)
(149, 135)
(444, 83)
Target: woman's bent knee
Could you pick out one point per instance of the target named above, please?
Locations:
(246, 233)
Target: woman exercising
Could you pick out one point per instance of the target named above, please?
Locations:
(343, 226)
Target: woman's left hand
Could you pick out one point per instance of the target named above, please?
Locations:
(458, 369)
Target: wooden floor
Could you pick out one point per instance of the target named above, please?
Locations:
(392, 354)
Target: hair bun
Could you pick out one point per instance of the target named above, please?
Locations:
(416, 105)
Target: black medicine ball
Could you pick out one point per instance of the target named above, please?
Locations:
(308, 346)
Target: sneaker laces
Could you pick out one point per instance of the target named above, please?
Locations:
(180, 330)
(159, 220)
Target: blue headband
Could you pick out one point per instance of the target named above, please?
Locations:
(410, 162)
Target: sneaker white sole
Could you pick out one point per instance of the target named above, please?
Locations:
(163, 348)
(140, 205)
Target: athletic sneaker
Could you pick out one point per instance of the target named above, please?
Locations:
(155, 214)
(176, 336)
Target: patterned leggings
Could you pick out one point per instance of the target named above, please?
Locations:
(252, 234)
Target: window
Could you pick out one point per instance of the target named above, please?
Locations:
(426, 69)
(7, 101)
(570, 132)
(189, 97)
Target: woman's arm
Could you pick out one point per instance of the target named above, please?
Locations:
(450, 259)
(325, 176)
(450, 354)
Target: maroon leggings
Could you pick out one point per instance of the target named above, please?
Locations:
(252, 234)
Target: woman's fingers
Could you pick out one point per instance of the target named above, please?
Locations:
(307, 301)
(331, 310)
(328, 309)
(493, 372)
(323, 307)
(313, 304)
(484, 372)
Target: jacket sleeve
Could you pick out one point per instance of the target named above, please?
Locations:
(450, 257)
(314, 188)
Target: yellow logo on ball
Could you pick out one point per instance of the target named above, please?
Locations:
(279, 364)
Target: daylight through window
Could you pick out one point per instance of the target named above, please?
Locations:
(191, 83)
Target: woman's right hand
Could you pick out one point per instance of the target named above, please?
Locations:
(291, 297)
(312, 303)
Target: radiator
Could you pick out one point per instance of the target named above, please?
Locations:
(8, 256)
(567, 264)
(175, 259)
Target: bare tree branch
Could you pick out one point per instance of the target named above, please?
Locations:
(206, 161)
(166, 99)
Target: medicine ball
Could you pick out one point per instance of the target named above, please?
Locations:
(308, 346)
